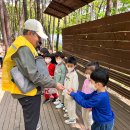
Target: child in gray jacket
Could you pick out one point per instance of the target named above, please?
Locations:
(59, 76)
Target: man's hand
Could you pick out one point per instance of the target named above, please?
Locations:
(70, 90)
(59, 86)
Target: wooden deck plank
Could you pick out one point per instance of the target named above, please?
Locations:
(61, 113)
(2, 102)
(8, 115)
(48, 118)
(21, 121)
(59, 118)
(13, 115)
(54, 121)
(43, 119)
(17, 118)
(4, 111)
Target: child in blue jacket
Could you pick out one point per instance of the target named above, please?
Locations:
(99, 101)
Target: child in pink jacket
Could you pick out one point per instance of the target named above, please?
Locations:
(87, 89)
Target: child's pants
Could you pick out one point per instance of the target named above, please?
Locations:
(87, 118)
(70, 105)
(98, 126)
(61, 97)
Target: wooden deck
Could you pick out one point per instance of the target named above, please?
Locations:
(11, 117)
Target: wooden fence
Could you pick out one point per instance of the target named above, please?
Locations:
(107, 41)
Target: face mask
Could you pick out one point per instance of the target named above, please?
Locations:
(58, 61)
(92, 86)
(48, 60)
(87, 76)
(70, 69)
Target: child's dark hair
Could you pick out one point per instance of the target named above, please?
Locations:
(44, 51)
(100, 75)
(59, 54)
(48, 55)
(71, 60)
(92, 65)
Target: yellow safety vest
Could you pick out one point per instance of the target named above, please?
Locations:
(8, 63)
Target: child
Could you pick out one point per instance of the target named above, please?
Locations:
(59, 77)
(87, 113)
(50, 92)
(71, 81)
(99, 101)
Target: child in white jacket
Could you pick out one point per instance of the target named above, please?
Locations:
(71, 80)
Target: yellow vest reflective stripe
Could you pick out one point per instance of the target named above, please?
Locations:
(8, 63)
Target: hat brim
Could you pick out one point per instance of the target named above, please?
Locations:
(42, 35)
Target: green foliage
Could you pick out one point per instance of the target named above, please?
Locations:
(79, 16)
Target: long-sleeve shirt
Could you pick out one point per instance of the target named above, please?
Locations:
(26, 63)
(99, 102)
(86, 87)
(71, 80)
(60, 72)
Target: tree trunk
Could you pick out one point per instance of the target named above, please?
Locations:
(108, 8)
(81, 10)
(65, 21)
(21, 22)
(49, 24)
(3, 25)
(92, 12)
(38, 10)
(57, 40)
(25, 9)
(7, 25)
(100, 8)
(53, 32)
(30, 9)
(35, 9)
(42, 21)
(115, 6)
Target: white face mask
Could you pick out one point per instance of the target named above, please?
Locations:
(70, 69)
(87, 76)
(47, 60)
(92, 86)
(58, 61)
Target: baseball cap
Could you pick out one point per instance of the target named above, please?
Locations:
(35, 25)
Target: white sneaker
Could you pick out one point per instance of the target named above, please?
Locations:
(66, 115)
(70, 121)
(59, 105)
(57, 102)
(64, 108)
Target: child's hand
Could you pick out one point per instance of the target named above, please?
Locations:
(60, 86)
(70, 90)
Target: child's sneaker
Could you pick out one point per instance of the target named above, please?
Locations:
(64, 108)
(70, 121)
(60, 105)
(57, 102)
(66, 115)
(53, 100)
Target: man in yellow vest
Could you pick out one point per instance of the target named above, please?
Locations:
(22, 54)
